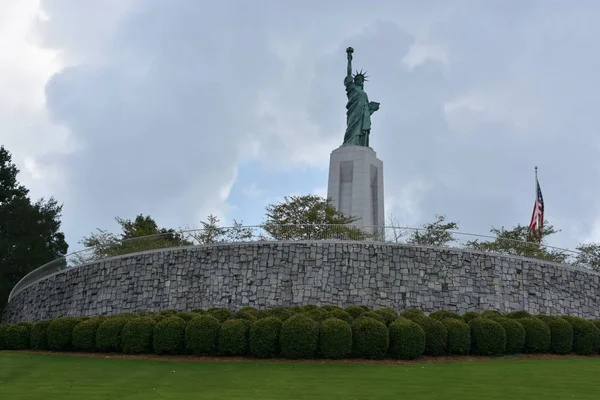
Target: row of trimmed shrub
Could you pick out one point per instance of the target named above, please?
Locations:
(310, 332)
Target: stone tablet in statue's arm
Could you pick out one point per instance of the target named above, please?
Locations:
(373, 106)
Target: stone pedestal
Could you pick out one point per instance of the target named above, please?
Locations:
(356, 184)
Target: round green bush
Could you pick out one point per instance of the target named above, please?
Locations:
(169, 336)
(233, 337)
(335, 339)
(109, 333)
(515, 335)
(330, 308)
(39, 335)
(407, 339)
(27, 325)
(468, 316)
(459, 336)
(413, 314)
(488, 337)
(442, 315)
(264, 337)
(299, 337)
(596, 322)
(246, 315)
(366, 308)
(518, 314)
(309, 307)
(341, 314)
(199, 311)
(187, 316)
(202, 335)
(370, 338)
(221, 314)
(250, 310)
(492, 314)
(537, 335)
(436, 335)
(17, 337)
(355, 311)
(296, 310)
(372, 315)
(389, 315)
(84, 334)
(561, 335)
(60, 333)
(137, 335)
(280, 313)
(317, 314)
(586, 336)
(3, 328)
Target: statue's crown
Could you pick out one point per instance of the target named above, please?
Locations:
(361, 73)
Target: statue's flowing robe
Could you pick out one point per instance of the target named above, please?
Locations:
(358, 114)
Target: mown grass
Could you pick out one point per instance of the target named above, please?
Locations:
(33, 376)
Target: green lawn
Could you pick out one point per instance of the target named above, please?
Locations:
(26, 376)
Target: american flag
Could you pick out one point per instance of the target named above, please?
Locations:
(537, 217)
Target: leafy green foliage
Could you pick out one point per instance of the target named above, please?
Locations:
(341, 314)
(264, 337)
(39, 335)
(518, 314)
(299, 337)
(84, 334)
(437, 233)
(233, 337)
(370, 338)
(459, 336)
(468, 316)
(442, 315)
(407, 339)
(515, 334)
(335, 339)
(436, 335)
(588, 256)
(537, 335)
(389, 315)
(60, 333)
(278, 312)
(212, 232)
(317, 314)
(221, 314)
(109, 333)
(561, 331)
(309, 307)
(137, 335)
(246, 315)
(414, 314)
(488, 337)
(492, 314)
(374, 315)
(518, 242)
(17, 337)
(187, 316)
(354, 311)
(3, 328)
(202, 335)
(586, 336)
(309, 217)
(169, 336)
(30, 233)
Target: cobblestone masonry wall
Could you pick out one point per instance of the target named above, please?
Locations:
(287, 274)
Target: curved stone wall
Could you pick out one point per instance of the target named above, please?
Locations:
(267, 274)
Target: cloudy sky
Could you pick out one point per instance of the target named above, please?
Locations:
(182, 108)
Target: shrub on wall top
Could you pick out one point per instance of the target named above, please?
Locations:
(109, 333)
(488, 337)
(202, 334)
(335, 339)
(459, 336)
(84, 334)
(39, 335)
(299, 337)
(407, 339)
(537, 335)
(370, 338)
(137, 335)
(264, 337)
(355, 311)
(436, 335)
(586, 336)
(561, 335)
(169, 336)
(515, 334)
(233, 337)
(60, 333)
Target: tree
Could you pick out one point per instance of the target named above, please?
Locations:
(29, 232)
(141, 234)
(437, 233)
(517, 241)
(310, 217)
(211, 232)
(588, 256)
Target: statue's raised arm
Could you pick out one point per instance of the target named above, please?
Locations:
(349, 52)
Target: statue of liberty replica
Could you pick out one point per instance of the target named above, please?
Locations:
(359, 109)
